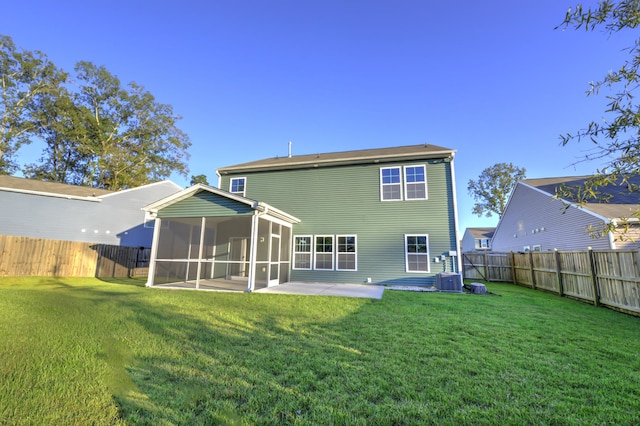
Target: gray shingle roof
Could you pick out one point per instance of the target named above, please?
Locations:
(411, 152)
(17, 183)
(622, 204)
(482, 232)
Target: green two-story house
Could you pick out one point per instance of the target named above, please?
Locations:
(380, 216)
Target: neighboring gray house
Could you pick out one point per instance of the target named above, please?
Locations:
(56, 211)
(535, 220)
(477, 239)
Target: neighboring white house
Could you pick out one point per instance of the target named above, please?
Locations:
(535, 220)
(477, 239)
(36, 209)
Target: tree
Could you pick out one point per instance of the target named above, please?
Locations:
(105, 136)
(492, 188)
(199, 179)
(616, 140)
(24, 75)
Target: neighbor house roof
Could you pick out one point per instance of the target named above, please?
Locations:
(482, 232)
(622, 204)
(412, 152)
(17, 184)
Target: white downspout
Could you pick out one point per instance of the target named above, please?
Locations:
(455, 215)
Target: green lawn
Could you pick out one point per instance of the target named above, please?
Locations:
(84, 351)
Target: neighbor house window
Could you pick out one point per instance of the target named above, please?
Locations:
(482, 243)
(347, 253)
(238, 186)
(537, 247)
(302, 252)
(390, 184)
(324, 252)
(415, 183)
(417, 253)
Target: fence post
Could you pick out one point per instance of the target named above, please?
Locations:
(513, 267)
(594, 277)
(486, 265)
(533, 274)
(559, 269)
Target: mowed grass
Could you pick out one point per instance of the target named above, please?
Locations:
(85, 351)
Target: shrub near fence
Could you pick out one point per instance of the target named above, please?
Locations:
(22, 256)
(604, 277)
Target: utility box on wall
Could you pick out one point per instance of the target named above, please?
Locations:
(449, 281)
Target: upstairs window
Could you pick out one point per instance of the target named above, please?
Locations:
(390, 184)
(415, 182)
(237, 186)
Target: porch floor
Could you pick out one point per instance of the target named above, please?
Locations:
(302, 288)
(211, 284)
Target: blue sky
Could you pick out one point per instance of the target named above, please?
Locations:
(491, 79)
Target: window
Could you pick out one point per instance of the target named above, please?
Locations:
(324, 252)
(302, 252)
(537, 247)
(410, 185)
(417, 253)
(347, 258)
(237, 186)
(482, 243)
(415, 182)
(390, 184)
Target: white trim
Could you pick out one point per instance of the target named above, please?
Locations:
(162, 182)
(406, 254)
(333, 252)
(244, 186)
(338, 252)
(404, 178)
(382, 185)
(310, 252)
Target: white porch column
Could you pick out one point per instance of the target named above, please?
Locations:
(157, 224)
(200, 249)
(253, 253)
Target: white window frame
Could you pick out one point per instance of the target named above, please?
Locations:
(346, 253)
(536, 247)
(244, 186)
(310, 252)
(383, 185)
(406, 183)
(407, 253)
(315, 252)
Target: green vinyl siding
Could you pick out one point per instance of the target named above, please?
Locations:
(345, 200)
(205, 204)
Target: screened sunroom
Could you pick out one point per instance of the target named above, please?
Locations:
(206, 238)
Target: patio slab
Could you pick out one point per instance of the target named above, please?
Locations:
(326, 289)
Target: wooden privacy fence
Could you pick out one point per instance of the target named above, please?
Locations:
(604, 277)
(22, 256)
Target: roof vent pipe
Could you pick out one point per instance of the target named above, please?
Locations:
(289, 149)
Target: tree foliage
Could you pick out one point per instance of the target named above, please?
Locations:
(493, 187)
(199, 179)
(24, 76)
(96, 132)
(615, 139)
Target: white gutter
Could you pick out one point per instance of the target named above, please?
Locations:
(52, 194)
